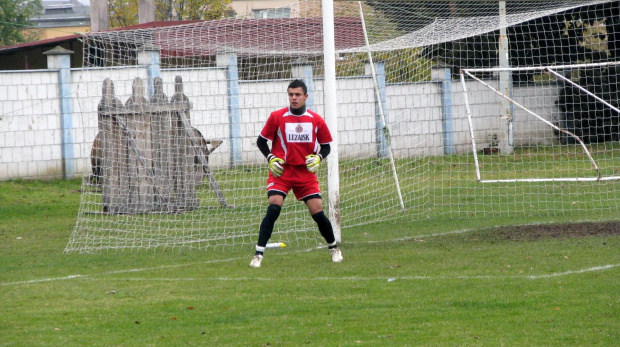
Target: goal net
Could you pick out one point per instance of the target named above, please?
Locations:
(170, 113)
(546, 136)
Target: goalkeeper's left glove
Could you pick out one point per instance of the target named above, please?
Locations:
(313, 162)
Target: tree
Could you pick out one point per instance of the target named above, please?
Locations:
(593, 36)
(584, 116)
(191, 9)
(125, 12)
(15, 16)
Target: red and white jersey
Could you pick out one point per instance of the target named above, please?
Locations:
(294, 137)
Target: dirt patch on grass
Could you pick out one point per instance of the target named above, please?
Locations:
(536, 232)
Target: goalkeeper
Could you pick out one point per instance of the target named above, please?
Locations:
(299, 143)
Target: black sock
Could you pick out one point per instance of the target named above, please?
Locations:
(266, 226)
(325, 228)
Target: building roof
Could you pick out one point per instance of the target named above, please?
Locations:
(255, 37)
(60, 39)
(243, 36)
(63, 13)
(33, 44)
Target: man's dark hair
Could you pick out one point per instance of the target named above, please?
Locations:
(297, 84)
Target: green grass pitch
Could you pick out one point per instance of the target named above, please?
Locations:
(456, 282)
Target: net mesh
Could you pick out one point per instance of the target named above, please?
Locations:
(546, 140)
(176, 110)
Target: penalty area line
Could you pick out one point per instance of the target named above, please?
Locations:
(370, 278)
(349, 278)
(113, 272)
(116, 272)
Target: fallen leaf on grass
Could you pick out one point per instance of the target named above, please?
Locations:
(173, 318)
(190, 307)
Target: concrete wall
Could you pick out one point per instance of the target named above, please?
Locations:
(30, 120)
(30, 137)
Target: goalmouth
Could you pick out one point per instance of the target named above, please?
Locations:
(187, 173)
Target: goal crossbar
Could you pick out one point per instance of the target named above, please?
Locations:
(542, 68)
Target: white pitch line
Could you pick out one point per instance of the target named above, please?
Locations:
(312, 279)
(461, 231)
(114, 272)
(379, 278)
(417, 237)
(42, 280)
(572, 272)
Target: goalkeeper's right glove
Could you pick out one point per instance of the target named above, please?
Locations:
(275, 165)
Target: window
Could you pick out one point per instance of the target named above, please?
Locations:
(284, 12)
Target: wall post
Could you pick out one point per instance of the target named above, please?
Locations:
(506, 135)
(443, 75)
(301, 69)
(380, 107)
(151, 58)
(229, 61)
(60, 58)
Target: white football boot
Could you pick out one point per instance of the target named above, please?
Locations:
(255, 263)
(336, 255)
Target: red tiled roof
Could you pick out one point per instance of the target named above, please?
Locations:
(243, 36)
(38, 43)
(75, 36)
(157, 24)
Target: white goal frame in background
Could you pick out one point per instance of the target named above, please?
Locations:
(552, 70)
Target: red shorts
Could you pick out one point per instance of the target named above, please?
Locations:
(303, 182)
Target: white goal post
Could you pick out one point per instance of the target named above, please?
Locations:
(552, 72)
